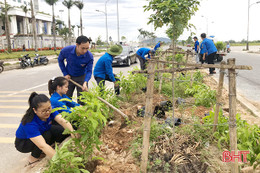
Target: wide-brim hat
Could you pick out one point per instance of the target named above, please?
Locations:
(115, 50)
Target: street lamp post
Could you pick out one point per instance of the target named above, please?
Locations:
(247, 44)
(118, 23)
(105, 12)
(106, 24)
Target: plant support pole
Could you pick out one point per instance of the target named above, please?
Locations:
(104, 101)
(147, 116)
(232, 113)
(219, 94)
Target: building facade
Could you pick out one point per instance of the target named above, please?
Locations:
(21, 26)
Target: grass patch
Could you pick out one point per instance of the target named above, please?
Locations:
(16, 55)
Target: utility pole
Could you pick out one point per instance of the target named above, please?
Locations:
(118, 23)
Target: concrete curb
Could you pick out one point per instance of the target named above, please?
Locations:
(17, 66)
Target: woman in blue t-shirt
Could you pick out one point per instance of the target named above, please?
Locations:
(57, 90)
(36, 133)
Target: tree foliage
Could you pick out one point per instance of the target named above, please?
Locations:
(145, 34)
(175, 13)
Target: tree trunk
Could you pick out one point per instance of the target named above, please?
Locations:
(53, 27)
(81, 27)
(34, 28)
(69, 26)
(7, 31)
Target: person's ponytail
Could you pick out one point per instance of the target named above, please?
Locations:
(53, 84)
(51, 87)
(29, 114)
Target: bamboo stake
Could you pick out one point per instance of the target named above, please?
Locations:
(239, 67)
(167, 70)
(147, 117)
(232, 114)
(104, 101)
(160, 75)
(219, 94)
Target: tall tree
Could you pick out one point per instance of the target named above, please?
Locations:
(80, 6)
(34, 27)
(7, 30)
(68, 4)
(177, 14)
(52, 3)
(25, 10)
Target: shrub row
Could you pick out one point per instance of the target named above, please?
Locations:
(31, 49)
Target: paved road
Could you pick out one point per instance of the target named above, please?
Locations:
(248, 81)
(15, 88)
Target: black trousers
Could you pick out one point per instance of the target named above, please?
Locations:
(101, 83)
(142, 62)
(51, 136)
(80, 80)
(210, 59)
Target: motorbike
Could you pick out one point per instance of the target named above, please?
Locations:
(228, 50)
(38, 60)
(25, 61)
(1, 66)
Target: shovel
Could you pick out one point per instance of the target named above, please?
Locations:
(108, 104)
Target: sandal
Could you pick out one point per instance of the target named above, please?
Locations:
(32, 164)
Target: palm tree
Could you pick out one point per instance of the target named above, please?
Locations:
(80, 6)
(68, 4)
(34, 27)
(78, 29)
(52, 2)
(25, 10)
(7, 31)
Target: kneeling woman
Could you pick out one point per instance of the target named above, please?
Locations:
(57, 90)
(36, 132)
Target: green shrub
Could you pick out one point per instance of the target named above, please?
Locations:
(220, 45)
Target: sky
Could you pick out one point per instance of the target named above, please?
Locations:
(225, 19)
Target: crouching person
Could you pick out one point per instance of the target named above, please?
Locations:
(103, 69)
(36, 133)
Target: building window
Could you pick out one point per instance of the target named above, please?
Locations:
(19, 1)
(14, 0)
(24, 2)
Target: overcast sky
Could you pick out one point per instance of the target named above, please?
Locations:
(225, 19)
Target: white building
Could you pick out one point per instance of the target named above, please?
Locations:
(21, 25)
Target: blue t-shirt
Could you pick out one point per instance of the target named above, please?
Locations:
(208, 45)
(143, 51)
(76, 65)
(157, 46)
(56, 103)
(35, 128)
(196, 45)
(104, 67)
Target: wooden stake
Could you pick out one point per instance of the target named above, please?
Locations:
(160, 74)
(147, 116)
(240, 67)
(109, 105)
(219, 94)
(232, 113)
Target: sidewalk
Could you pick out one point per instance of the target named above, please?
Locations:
(14, 64)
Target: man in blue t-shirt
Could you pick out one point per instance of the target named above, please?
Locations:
(196, 49)
(157, 45)
(103, 69)
(141, 53)
(79, 64)
(208, 47)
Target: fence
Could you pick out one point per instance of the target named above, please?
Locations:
(230, 66)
